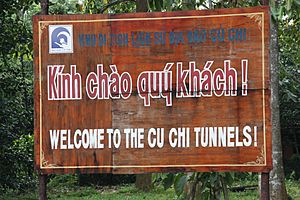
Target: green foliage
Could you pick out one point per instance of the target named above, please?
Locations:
(130, 192)
(293, 188)
(15, 34)
(180, 181)
(127, 7)
(285, 8)
(63, 182)
(16, 114)
(16, 169)
(60, 7)
(289, 41)
(89, 7)
(292, 168)
(97, 7)
(92, 6)
(16, 95)
(104, 193)
(173, 5)
(168, 181)
(289, 91)
(197, 185)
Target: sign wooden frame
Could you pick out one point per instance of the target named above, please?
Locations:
(113, 160)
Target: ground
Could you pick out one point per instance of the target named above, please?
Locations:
(129, 192)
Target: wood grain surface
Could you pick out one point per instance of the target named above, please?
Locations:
(136, 56)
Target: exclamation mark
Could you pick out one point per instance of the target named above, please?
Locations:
(244, 77)
(255, 136)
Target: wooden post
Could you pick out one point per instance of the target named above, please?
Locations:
(264, 192)
(143, 181)
(44, 7)
(141, 6)
(42, 186)
(43, 177)
(264, 181)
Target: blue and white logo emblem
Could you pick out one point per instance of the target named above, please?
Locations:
(60, 39)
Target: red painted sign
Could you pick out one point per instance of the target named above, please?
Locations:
(153, 92)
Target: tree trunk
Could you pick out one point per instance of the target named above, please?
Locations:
(44, 7)
(277, 185)
(141, 6)
(42, 186)
(264, 186)
(43, 177)
(143, 181)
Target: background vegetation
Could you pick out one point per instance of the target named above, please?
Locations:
(16, 95)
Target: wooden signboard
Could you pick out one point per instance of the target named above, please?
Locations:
(153, 92)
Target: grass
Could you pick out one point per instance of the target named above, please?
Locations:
(124, 192)
(293, 189)
(246, 195)
(129, 192)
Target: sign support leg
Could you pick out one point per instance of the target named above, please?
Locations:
(264, 192)
(42, 186)
(43, 177)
